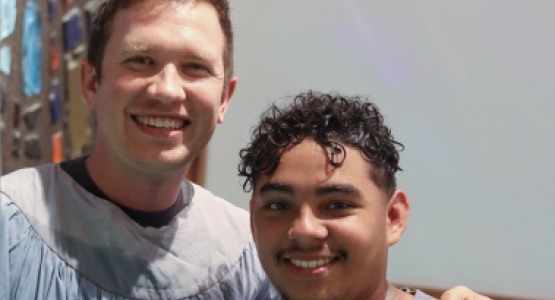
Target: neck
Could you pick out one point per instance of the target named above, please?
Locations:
(136, 190)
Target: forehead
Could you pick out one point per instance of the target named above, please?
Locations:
(148, 10)
(167, 15)
(182, 27)
(307, 166)
(308, 156)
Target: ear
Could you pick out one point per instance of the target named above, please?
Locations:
(397, 216)
(226, 98)
(88, 83)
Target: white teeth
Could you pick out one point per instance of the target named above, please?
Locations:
(164, 123)
(310, 264)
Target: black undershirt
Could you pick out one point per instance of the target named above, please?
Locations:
(77, 170)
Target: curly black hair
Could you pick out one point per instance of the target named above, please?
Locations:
(332, 120)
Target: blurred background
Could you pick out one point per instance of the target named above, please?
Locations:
(467, 87)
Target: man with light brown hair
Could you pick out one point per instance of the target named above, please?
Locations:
(122, 222)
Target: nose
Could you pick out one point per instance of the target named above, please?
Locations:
(168, 85)
(307, 227)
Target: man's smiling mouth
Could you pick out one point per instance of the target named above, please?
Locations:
(310, 264)
(161, 122)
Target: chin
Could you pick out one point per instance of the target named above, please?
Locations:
(315, 293)
(163, 162)
(176, 158)
(287, 296)
(173, 162)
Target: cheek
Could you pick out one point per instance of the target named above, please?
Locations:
(258, 230)
(266, 234)
(206, 93)
(357, 234)
(200, 106)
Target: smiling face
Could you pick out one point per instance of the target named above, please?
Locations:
(162, 88)
(323, 232)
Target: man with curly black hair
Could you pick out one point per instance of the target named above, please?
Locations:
(325, 207)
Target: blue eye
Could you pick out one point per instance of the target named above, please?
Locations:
(196, 69)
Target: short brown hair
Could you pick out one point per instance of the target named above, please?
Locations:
(102, 26)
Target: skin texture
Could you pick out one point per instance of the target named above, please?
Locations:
(462, 293)
(162, 60)
(308, 210)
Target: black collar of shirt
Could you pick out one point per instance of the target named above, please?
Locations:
(77, 170)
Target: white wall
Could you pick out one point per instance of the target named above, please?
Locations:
(467, 86)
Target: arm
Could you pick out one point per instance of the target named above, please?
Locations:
(462, 293)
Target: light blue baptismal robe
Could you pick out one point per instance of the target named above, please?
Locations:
(58, 241)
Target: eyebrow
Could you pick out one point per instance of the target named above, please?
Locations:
(200, 55)
(347, 189)
(338, 189)
(276, 187)
(145, 48)
(136, 48)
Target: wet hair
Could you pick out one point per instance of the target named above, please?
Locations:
(332, 120)
(102, 28)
